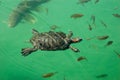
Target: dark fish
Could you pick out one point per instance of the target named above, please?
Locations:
(116, 15)
(96, 1)
(103, 23)
(99, 37)
(64, 78)
(102, 76)
(118, 54)
(90, 27)
(23, 11)
(116, 8)
(83, 1)
(76, 16)
(90, 38)
(47, 75)
(103, 37)
(93, 19)
(109, 43)
(46, 10)
(81, 58)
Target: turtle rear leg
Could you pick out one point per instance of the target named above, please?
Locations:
(27, 51)
(74, 49)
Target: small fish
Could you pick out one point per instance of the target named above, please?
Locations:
(116, 15)
(76, 16)
(103, 37)
(83, 1)
(47, 10)
(103, 23)
(102, 76)
(118, 54)
(90, 38)
(64, 78)
(90, 27)
(109, 43)
(47, 75)
(93, 19)
(94, 46)
(116, 8)
(96, 1)
(81, 58)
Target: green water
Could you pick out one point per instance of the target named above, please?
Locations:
(100, 59)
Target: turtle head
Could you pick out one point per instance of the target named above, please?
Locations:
(75, 40)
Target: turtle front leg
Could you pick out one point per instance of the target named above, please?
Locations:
(70, 34)
(74, 49)
(27, 51)
(34, 31)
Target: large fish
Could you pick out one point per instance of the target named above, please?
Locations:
(23, 11)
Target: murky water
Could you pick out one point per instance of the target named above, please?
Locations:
(102, 62)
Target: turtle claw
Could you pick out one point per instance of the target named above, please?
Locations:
(34, 31)
(74, 49)
(27, 51)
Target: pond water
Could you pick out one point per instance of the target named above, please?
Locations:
(98, 26)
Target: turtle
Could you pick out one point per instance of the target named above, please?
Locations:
(50, 41)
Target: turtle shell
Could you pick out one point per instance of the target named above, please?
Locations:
(50, 41)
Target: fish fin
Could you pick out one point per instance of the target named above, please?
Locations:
(4, 22)
(30, 18)
(41, 9)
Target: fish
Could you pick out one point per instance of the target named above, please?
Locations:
(102, 76)
(116, 8)
(76, 16)
(118, 54)
(93, 19)
(47, 75)
(96, 1)
(64, 78)
(93, 46)
(103, 23)
(103, 37)
(91, 38)
(109, 43)
(46, 9)
(23, 11)
(99, 37)
(81, 58)
(116, 15)
(90, 27)
(83, 1)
